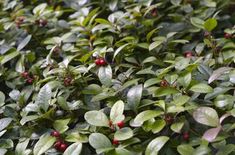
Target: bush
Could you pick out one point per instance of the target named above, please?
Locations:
(117, 77)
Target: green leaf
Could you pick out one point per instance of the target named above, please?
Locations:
(4, 122)
(116, 114)
(151, 82)
(123, 134)
(217, 73)
(120, 49)
(43, 97)
(105, 75)
(201, 88)
(146, 115)
(99, 141)
(176, 127)
(211, 134)
(155, 145)
(45, 142)
(207, 116)
(24, 42)
(96, 118)
(155, 44)
(3, 151)
(134, 96)
(185, 149)
(181, 100)
(165, 91)
(9, 56)
(2, 98)
(21, 146)
(158, 125)
(197, 22)
(61, 125)
(210, 24)
(74, 149)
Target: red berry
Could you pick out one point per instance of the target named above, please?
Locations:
(227, 36)
(25, 74)
(154, 12)
(163, 83)
(57, 145)
(115, 142)
(97, 62)
(121, 124)
(169, 119)
(188, 54)
(186, 136)
(29, 80)
(55, 133)
(102, 62)
(63, 147)
(41, 22)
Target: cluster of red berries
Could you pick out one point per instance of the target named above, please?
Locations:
(164, 83)
(28, 77)
(188, 54)
(68, 81)
(41, 22)
(120, 124)
(100, 62)
(59, 144)
(19, 21)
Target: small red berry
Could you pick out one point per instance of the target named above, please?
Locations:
(169, 119)
(188, 54)
(227, 36)
(102, 62)
(97, 62)
(154, 12)
(25, 74)
(57, 145)
(29, 80)
(163, 83)
(121, 124)
(55, 133)
(63, 147)
(186, 136)
(115, 142)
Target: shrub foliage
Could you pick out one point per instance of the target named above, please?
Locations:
(117, 77)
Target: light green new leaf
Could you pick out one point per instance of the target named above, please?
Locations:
(210, 24)
(43, 97)
(99, 141)
(146, 115)
(185, 149)
(61, 125)
(201, 88)
(74, 149)
(155, 145)
(123, 134)
(116, 113)
(105, 75)
(45, 142)
(207, 116)
(134, 96)
(96, 118)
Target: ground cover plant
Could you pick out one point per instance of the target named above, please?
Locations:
(117, 77)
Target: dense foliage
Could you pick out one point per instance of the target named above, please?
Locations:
(117, 77)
